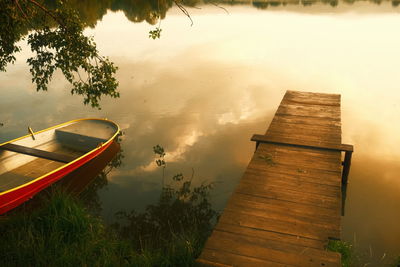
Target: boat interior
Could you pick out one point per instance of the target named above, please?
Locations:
(33, 156)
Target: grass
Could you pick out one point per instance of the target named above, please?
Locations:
(64, 233)
(351, 258)
(345, 249)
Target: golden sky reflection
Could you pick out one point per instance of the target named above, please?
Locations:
(202, 91)
(372, 217)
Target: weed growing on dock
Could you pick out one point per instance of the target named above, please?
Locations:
(268, 158)
(345, 249)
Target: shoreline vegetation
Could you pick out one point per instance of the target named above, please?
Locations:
(63, 231)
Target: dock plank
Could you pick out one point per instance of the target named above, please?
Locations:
(271, 235)
(279, 213)
(216, 257)
(274, 251)
(288, 203)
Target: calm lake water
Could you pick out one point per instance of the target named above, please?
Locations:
(201, 91)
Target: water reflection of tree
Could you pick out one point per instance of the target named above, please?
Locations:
(143, 10)
(153, 10)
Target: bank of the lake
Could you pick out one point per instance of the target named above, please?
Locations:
(59, 228)
(64, 233)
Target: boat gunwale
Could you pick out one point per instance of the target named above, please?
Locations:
(118, 130)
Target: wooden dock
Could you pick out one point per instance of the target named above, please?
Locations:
(288, 203)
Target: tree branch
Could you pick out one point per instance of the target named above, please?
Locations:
(20, 9)
(45, 10)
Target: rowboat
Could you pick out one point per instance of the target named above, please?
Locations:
(33, 162)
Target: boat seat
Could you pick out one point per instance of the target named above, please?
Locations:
(78, 142)
(37, 153)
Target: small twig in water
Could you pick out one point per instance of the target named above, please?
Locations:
(184, 11)
(221, 7)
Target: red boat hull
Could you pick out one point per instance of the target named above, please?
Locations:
(16, 197)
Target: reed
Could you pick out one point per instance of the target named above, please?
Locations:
(64, 233)
(61, 233)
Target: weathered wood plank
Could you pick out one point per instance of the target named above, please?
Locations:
(288, 202)
(321, 212)
(288, 181)
(309, 111)
(282, 214)
(307, 134)
(269, 160)
(219, 258)
(281, 226)
(309, 174)
(312, 98)
(271, 235)
(305, 120)
(274, 251)
(282, 193)
(302, 125)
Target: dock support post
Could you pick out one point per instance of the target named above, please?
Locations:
(346, 166)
